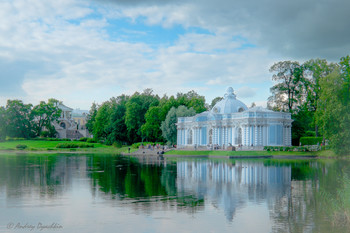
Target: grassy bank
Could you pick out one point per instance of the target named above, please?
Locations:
(251, 153)
(45, 146)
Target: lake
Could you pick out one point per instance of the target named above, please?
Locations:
(105, 193)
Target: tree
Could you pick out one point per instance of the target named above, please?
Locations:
(136, 109)
(151, 129)
(117, 126)
(214, 101)
(315, 70)
(287, 93)
(91, 117)
(3, 121)
(168, 126)
(19, 119)
(102, 120)
(44, 114)
(333, 111)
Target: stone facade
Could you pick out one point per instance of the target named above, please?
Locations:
(68, 127)
(231, 123)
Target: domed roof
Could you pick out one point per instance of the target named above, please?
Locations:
(229, 104)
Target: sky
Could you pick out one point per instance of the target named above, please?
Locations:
(85, 51)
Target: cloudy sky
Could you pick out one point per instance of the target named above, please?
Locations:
(81, 51)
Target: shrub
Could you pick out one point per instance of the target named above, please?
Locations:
(118, 144)
(91, 140)
(310, 140)
(138, 144)
(44, 134)
(14, 139)
(310, 134)
(74, 145)
(83, 139)
(21, 147)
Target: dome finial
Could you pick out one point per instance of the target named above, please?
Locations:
(229, 93)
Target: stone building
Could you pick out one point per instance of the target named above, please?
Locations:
(70, 125)
(231, 123)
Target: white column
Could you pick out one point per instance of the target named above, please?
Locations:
(233, 130)
(256, 135)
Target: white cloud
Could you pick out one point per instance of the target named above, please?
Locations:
(78, 63)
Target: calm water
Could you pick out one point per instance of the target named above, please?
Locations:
(99, 193)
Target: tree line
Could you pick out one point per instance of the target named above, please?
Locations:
(317, 94)
(142, 117)
(19, 120)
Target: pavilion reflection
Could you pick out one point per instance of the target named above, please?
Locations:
(232, 186)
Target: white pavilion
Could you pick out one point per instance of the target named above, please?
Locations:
(231, 123)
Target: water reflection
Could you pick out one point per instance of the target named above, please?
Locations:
(231, 186)
(281, 196)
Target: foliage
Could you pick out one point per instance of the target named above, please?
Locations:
(74, 145)
(214, 101)
(83, 139)
(19, 120)
(21, 147)
(333, 112)
(91, 140)
(44, 114)
(286, 94)
(136, 109)
(151, 128)
(286, 148)
(138, 144)
(311, 140)
(168, 126)
(91, 117)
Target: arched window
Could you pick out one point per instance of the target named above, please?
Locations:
(240, 109)
(63, 125)
(189, 137)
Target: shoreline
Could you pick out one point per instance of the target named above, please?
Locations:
(156, 156)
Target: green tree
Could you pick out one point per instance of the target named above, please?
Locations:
(44, 114)
(91, 117)
(168, 126)
(333, 111)
(100, 127)
(287, 93)
(3, 121)
(214, 101)
(151, 129)
(19, 119)
(315, 70)
(117, 126)
(136, 109)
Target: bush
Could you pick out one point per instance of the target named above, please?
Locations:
(91, 140)
(74, 145)
(83, 139)
(44, 134)
(310, 134)
(14, 139)
(21, 147)
(118, 144)
(310, 140)
(138, 144)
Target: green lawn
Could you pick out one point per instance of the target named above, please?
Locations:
(238, 153)
(33, 145)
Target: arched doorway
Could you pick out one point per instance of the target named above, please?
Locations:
(63, 125)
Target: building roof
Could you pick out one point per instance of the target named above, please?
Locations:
(64, 107)
(229, 104)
